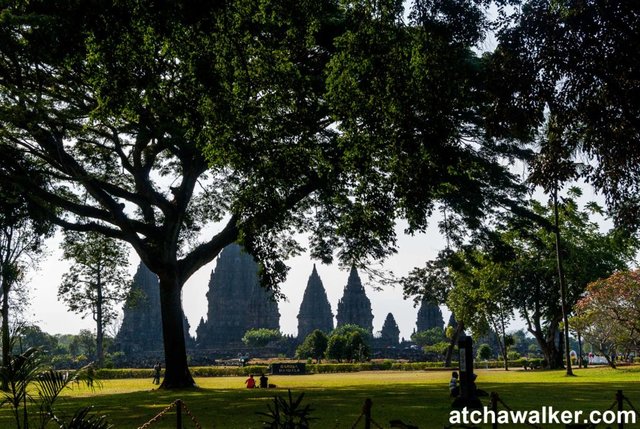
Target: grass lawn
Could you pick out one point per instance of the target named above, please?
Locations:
(416, 397)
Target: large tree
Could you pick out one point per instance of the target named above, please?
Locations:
(96, 281)
(157, 124)
(532, 280)
(22, 235)
(514, 268)
(566, 76)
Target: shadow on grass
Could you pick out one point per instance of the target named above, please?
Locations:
(426, 406)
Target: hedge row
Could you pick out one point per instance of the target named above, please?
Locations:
(203, 371)
(235, 371)
(322, 368)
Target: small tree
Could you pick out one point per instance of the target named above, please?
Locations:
(313, 346)
(97, 280)
(609, 314)
(484, 352)
(260, 337)
(22, 232)
(357, 348)
(429, 337)
(337, 347)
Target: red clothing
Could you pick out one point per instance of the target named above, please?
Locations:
(250, 382)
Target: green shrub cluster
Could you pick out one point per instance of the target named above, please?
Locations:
(516, 363)
(327, 368)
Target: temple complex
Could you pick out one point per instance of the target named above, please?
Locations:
(141, 329)
(429, 316)
(315, 310)
(355, 307)
(237, 303)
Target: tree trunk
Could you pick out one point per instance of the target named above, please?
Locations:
(449, 355)
(177, 373)
(503, 348)
(549, 349)
(99, 323)
(580, 359)
(6, 338)
(551, 354)
(563, 286)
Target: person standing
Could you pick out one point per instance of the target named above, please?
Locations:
(157, 368)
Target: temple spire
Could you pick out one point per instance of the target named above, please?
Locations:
(237, 302)
(355, 307)
(315, 310)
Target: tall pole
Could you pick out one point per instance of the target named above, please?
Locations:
(563, 286)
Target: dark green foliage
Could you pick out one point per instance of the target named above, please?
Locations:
(484, 352)
(486, 283)
(570, 68)
(349, 328)
(349, 342)
(288, 413)
(314, 346)
(23, 229)
(337, 347)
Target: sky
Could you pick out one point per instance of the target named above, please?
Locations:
(413, 251)
(53, 317)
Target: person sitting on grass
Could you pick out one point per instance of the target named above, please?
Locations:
(250, 382)
(264, 381)
(454, 389)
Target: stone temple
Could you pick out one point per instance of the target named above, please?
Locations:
(315, 310)
(141, 329)
(390, 334)
(237, 303)
(354, 307)
(429, 316)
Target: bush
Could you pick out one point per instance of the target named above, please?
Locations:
(513, 356)
(484, 352)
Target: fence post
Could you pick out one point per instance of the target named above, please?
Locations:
(620, 398)
(179, 414)
(367, 413)
(494, 408)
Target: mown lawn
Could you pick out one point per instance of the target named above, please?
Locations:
(417, 397)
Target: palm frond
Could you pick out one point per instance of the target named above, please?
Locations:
(83, 420)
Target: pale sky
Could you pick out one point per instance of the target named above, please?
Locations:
(413, 251)
(53, 317)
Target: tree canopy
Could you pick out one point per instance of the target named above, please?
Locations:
(159, 123)
(571, 67)
(608, 316)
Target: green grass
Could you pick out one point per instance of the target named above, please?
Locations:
(416, 397)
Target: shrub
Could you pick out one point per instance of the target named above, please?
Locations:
(513, 355)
